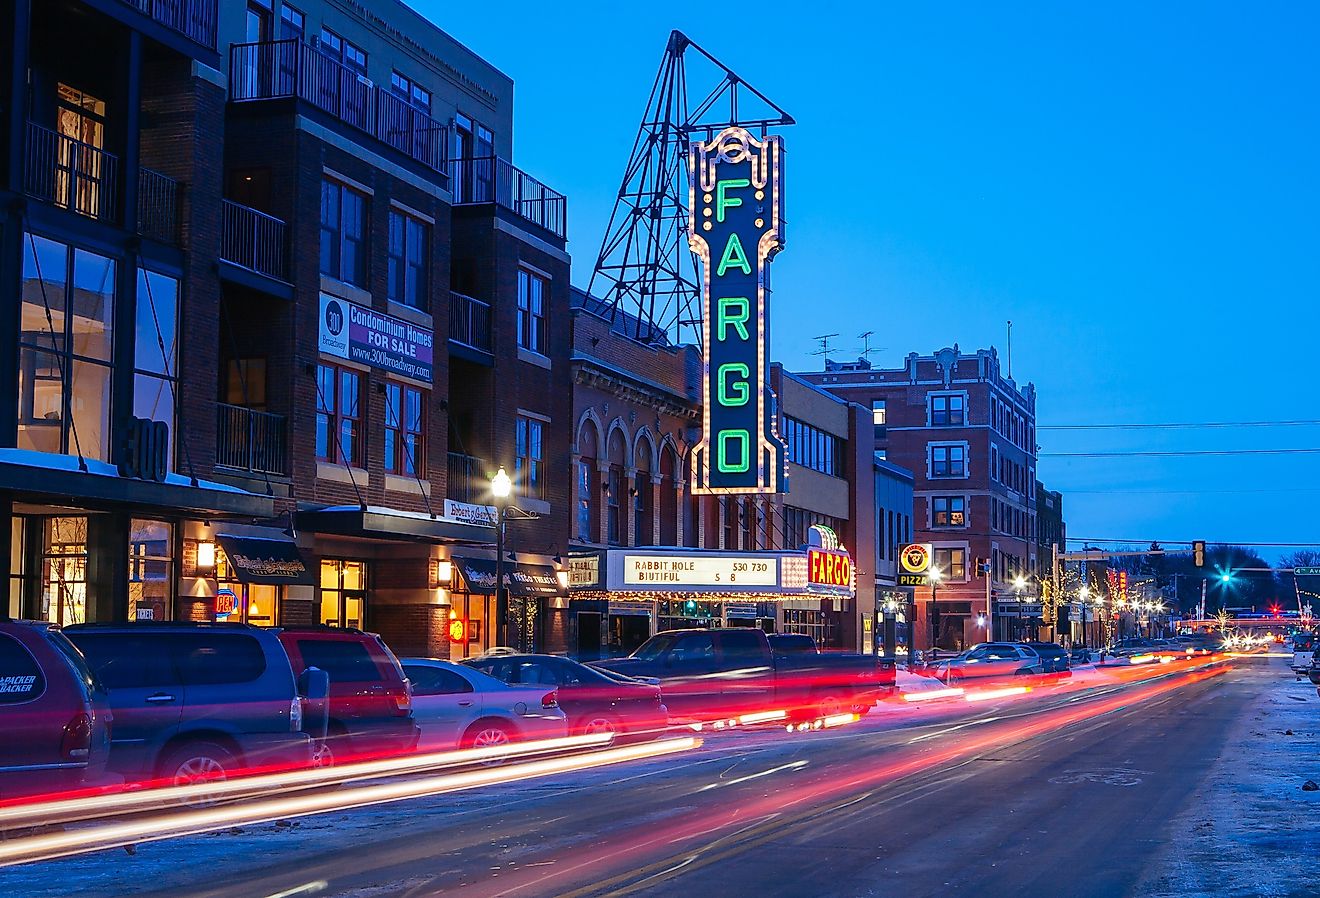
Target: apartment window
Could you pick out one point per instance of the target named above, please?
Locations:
(343, 233)
(878, 417)
(407, 260)
(532, 291)
(948, 410)
(405, 430)
(952, 563)
(65, 349)
(529, 458)
(948, 460)
(613, 491)
(155, 377)
(293, 24)
(405, 88)
(338, 415)
(342, 51)
(949, 511)
(80, 168)
(585, 484)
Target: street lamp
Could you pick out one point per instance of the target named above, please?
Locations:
(1082, 594)
(935, 575)
(1019, 584)
(500, 488)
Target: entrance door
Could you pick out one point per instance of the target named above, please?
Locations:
(588, 635)
(343, 593)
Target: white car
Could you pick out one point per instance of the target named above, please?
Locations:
(458, 707)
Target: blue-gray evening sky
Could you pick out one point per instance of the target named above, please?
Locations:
(1133, 184)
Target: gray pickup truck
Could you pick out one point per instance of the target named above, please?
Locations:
(709, 674)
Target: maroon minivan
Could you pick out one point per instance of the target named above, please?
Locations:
(54, 716)
(370, 698)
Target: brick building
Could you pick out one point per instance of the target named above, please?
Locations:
(324, 280)
(968, 433)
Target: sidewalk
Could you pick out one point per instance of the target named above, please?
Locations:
(1253, 831)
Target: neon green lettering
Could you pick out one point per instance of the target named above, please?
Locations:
(740, 460)
(732, 311)
(733, 257)
(722, 201)
(737, 393)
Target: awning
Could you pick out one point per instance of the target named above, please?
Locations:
(519, 578)
(376, 522)
(275, 561)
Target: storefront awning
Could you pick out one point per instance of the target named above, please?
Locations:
(521, 579)
(46, 478)
(376, 522)
(274, 561)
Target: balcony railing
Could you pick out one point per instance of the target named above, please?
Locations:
(467, 479)
(290, 68)
(69, 173)
(159, 202)
(490, 179)
(194, 19)
(252, 441)
(469, 321)
(253, 240)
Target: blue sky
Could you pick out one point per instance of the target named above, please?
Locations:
(1133, 184)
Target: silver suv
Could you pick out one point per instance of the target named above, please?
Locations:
(991, 659)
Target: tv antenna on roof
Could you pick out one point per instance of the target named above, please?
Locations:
(824, 341)
(867, 349)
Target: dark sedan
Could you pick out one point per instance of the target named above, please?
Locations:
(593, 701)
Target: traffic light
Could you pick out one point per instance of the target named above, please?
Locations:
(1225, 578)
(1198, 553)
(690, 606)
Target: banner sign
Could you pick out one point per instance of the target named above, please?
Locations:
(584, 570)
(735, 228)
(350, 331)
(467, 513)
(914, 562)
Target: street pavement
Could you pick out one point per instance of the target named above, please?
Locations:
(1067, 792)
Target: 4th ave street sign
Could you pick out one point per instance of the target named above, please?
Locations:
(1306, 572)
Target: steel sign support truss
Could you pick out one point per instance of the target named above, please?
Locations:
(645, 269)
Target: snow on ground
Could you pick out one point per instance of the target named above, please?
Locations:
(1252, 834)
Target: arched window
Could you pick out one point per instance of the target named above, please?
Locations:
(618, 456)
(586, 522)
(643, 496)
(668, 497)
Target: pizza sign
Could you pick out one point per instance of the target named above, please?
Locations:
(916, 558)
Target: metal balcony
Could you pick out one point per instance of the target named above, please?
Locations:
(194, 19)
(467, 479)
(253, 240)
(160, 200)
(469, 322)
(289, 68)
(490, 179)
(251, 441)
(69, 173)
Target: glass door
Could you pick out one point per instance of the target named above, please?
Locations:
(343, 593)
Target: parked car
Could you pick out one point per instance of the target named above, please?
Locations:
(708, 674)
(461, 707)
(792, 644)
(992, 659)
(370, 705)
(194, 702)
(54, 715)
(1303, 650)
(1054, 657)
(593, 701)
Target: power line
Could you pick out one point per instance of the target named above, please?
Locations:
(1157, 492)
(1179, 425)
(1187, 542)
(1177, 453)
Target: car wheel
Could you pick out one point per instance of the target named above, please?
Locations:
(488, 734)
(601, 725)
(829, 706)
(197, 763)
(323, 755)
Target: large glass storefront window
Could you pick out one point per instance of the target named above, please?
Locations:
(66, 340)
(64, 570)
(249, 603)
(150, 570)
(17, 563)
(155, 368)
(343, 593)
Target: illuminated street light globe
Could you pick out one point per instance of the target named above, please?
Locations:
(500, 485)
(1019, 582)
(936, 574)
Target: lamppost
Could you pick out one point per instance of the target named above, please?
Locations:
(1082, 593)
(935, 575)
(500, 488)
(1019, 583)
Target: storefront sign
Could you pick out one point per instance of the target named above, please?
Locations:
(519, 579)
(270, 561)
(734, 227)
(584, 570)
(145, 451)
(665, 571)
(462, 630)
(467, 513)
(225, 602)
(353, 332)
(829, 567)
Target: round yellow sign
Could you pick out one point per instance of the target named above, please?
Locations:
(915, 558)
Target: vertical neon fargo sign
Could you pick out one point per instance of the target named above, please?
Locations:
(735, 227)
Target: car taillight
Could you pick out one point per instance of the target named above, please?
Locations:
(403, 700)
(550, 700)
(76, 743)
(295, 715)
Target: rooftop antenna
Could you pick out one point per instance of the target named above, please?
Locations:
(1010, 349)
(867, 349)
(824, 341)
